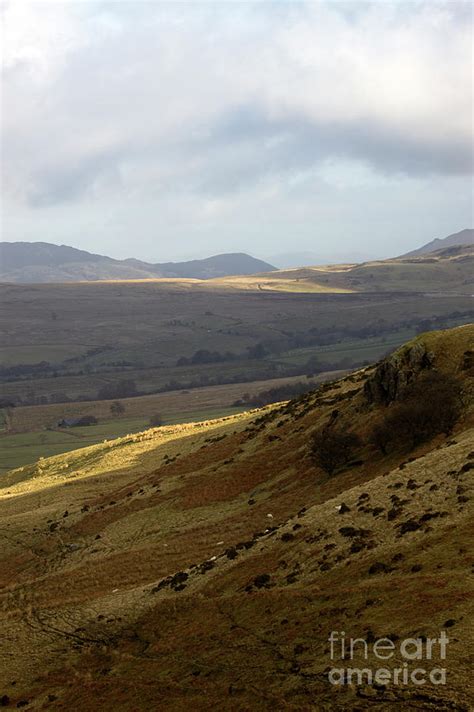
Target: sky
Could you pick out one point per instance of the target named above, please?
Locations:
(295, 131)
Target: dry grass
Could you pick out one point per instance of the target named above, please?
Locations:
(79, 607)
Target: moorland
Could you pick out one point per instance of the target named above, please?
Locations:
(207, 564)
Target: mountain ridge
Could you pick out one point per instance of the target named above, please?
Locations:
(43, 262)
(463, 237)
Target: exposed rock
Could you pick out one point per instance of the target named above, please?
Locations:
(343, 508)
(394, 374)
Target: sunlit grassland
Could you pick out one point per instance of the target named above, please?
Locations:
(18, 449)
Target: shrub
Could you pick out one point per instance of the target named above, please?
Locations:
(120, 389)
(156, 420)
(87, 420)
(332, 448)
(117, 408)
(440, 394)
(431, 405)
(273, 395)
(382, 435)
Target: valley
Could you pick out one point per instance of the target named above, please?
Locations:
(70, 350)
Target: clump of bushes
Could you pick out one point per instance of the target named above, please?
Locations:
(333, 447)
(126, 388)
(430, 405)
(117, 408)
(87, 420)
(274, 395)
(156, 420)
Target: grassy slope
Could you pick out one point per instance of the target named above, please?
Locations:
(78, 603)
(433, 273)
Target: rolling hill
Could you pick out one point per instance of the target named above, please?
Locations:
(39, 262)
(207, 564)
(464, 237)
(449, 269)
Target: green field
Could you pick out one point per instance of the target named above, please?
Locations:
(20, 449)
(357, 351)
(139, 331)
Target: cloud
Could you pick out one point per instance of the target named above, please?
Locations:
(207, 102)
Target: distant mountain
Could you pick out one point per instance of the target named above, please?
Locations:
(29, 262)
(217, 266)
(464, 237)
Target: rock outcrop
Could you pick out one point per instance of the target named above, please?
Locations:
(394, 374)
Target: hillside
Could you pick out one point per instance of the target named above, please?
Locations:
(463, 237)
(207, 564)
(449, 269)
(40, 262)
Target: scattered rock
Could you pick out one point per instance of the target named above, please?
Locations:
(262, 581)
(343, 508)
(179, 578)
(206, 566)
(349, 531)
(379, 568)
(409, 526)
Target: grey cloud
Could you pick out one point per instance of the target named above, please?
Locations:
(246, 146)
(199, 110)
(70, 182)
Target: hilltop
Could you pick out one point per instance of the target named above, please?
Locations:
(206, 564)
(447, 270)
(463, 237)
(42, 262)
